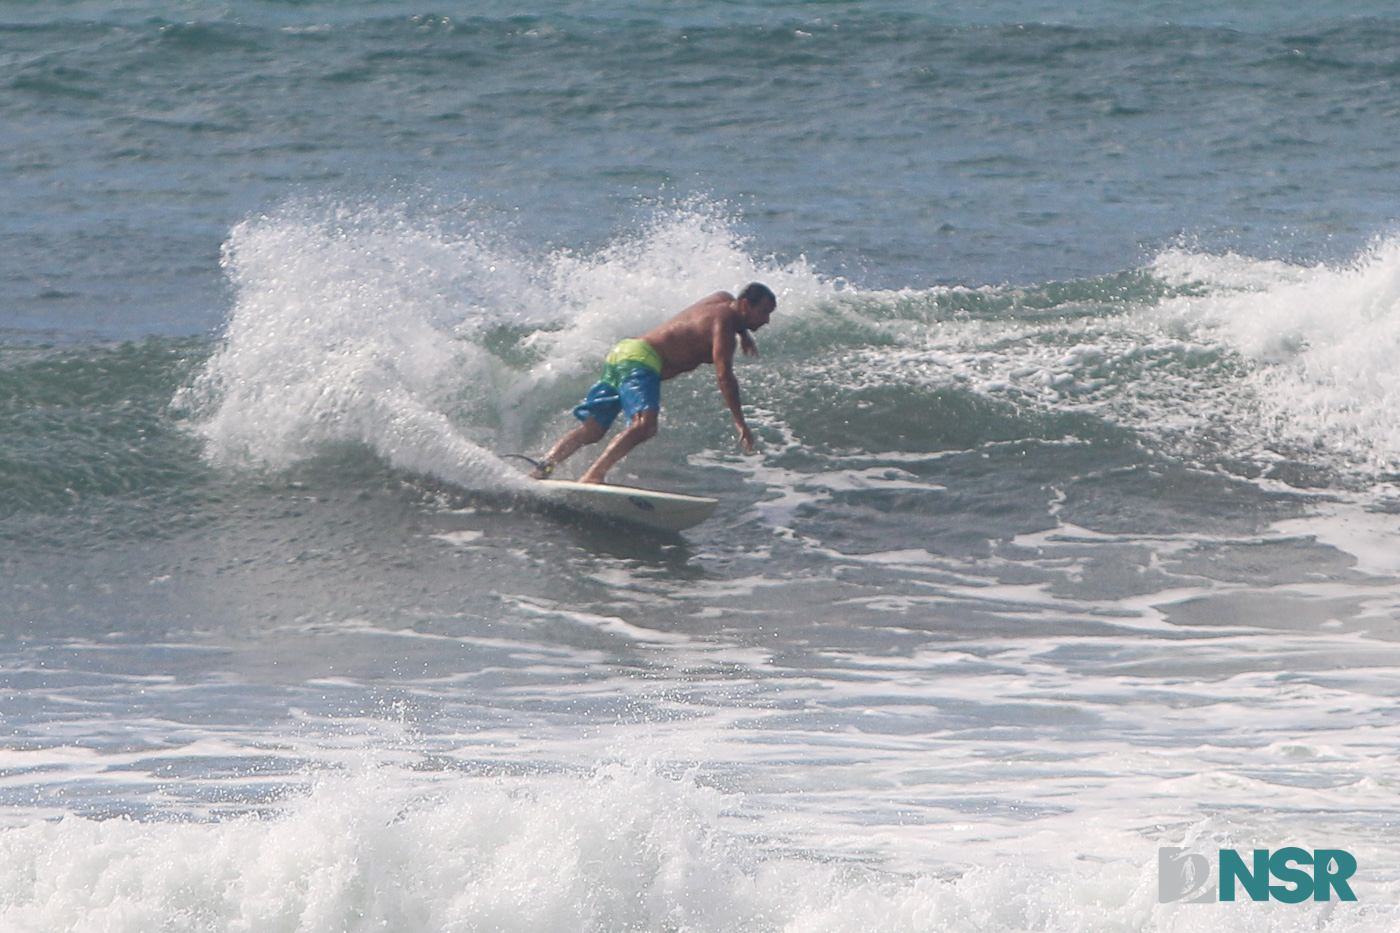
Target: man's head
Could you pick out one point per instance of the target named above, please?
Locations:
(757, 304)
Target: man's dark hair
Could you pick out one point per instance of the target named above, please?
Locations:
(756, 293)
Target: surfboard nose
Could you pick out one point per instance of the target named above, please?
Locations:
(663, 511)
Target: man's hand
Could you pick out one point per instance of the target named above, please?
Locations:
(746, 344)
(746, 438)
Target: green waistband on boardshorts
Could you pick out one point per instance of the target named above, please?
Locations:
(629, 355)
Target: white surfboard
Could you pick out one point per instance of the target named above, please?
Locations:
(663, 511)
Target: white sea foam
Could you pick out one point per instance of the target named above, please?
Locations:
(618, 847)
(1372, 538)
(1259, 359)
(983, 783)
(1324, 339)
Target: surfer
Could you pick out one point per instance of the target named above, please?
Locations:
(706, 332)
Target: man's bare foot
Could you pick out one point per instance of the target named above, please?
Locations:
(542, 470)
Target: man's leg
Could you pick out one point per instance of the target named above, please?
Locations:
(642, 428)
(589, 432)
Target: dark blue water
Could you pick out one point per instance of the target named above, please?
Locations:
(891, 144)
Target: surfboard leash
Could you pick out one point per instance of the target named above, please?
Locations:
(544, 466)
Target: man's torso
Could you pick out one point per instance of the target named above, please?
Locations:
(688, 339)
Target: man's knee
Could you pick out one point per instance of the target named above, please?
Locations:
(644, 423)
(591, 432)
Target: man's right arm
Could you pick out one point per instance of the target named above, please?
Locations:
(723, 355)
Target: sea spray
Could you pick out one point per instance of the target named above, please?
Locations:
(347, 328)
(435, 348)
(637, 281)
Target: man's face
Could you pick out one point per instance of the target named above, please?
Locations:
(756, 315)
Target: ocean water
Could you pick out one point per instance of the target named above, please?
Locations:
(1072, 533)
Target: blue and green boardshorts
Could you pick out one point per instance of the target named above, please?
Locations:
(631, 383)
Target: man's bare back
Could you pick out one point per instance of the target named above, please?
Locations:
(706, 332)
(689, 338)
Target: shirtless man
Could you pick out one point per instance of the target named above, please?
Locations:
(706, 332)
